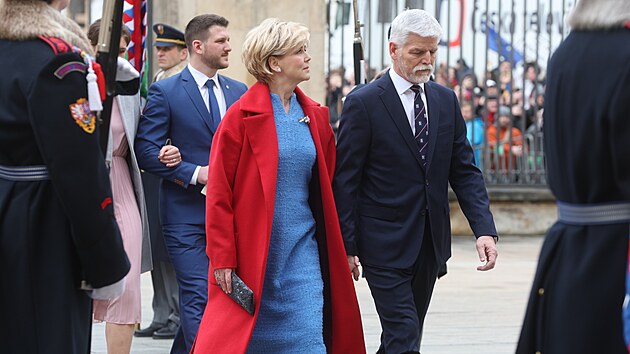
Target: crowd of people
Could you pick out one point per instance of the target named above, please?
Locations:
(503, 146)
(508, 101)
(264, 217)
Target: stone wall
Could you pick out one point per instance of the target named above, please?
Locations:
(516, 211)
(243, 16)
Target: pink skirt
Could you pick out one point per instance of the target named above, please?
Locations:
(126, 309)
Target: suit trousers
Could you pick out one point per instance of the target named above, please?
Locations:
(165, 294)
(186, 245)
(402, 298)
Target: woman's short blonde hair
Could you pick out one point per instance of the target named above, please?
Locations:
(272, 37)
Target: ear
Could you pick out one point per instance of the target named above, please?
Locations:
(183, 54)
(196, 46)
(274, 64)
(393, 50)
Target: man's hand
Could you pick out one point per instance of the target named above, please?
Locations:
(353, 263)
(202, 177)
(169, 155)
(224, 279)
(487, 249)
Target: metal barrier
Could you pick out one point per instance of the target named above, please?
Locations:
(494, 56)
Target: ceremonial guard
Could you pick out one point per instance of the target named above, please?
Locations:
(58, 236)
(172, 53)
(579, 291)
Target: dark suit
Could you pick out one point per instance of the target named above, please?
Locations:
(175, 110)
(391, 208)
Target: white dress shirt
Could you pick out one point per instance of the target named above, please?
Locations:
(201, 79)
(403, 87)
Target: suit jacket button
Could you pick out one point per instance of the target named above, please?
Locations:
(423, 212)
(426, 182)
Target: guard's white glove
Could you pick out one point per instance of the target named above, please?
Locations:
(125, 71)
(108, 292)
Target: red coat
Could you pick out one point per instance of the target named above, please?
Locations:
(239, 214)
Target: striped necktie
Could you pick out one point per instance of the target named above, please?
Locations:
(421, 123)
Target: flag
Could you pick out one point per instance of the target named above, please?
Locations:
(506, 50)
(135, 18)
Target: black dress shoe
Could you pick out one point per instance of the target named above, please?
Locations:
(148, 332)
(167, 332)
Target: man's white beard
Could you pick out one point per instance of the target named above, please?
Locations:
(416, 77)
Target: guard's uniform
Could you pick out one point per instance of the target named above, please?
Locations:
(57, 226)
(575, 305)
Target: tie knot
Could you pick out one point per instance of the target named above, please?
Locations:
(416, 89)
(210, 83)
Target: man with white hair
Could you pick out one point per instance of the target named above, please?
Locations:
(402, 139)
(575, 305)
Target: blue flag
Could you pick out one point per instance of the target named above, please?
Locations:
(494, 41)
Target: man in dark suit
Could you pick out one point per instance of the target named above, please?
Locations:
(185, 110)
(402, 140)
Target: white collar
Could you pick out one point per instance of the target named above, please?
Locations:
(401, 85)
(201, 78)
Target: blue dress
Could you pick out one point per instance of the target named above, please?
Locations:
(290, 319)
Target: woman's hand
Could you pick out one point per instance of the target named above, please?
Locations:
(224, 279)
(353, 263)
(169, 155)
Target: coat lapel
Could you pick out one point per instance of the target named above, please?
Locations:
(315, 112)
(391, 101)
(126, 105)
(260, 133)
(228, 92)
(434, 120)
(190, 86)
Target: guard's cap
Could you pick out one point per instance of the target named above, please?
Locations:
(167, 36)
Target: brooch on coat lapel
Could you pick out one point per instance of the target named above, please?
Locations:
(305, 119)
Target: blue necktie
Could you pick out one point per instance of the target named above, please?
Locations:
(421, 123)
(215, 113)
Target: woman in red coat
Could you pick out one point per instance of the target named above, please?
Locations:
(271, 216)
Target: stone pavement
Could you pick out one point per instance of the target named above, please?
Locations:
(471, 311)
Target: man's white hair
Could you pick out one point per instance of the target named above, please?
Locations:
(414, 21)
(599, 14)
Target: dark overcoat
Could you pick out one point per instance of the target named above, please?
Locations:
(576, 300)
(57, 232)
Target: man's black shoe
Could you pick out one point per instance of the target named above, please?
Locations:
(167, 332)
(147, 332)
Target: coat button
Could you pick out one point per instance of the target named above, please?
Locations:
(541, 291)
(426, 182)
(423, 212)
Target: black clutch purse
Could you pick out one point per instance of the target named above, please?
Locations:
(242, 294)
